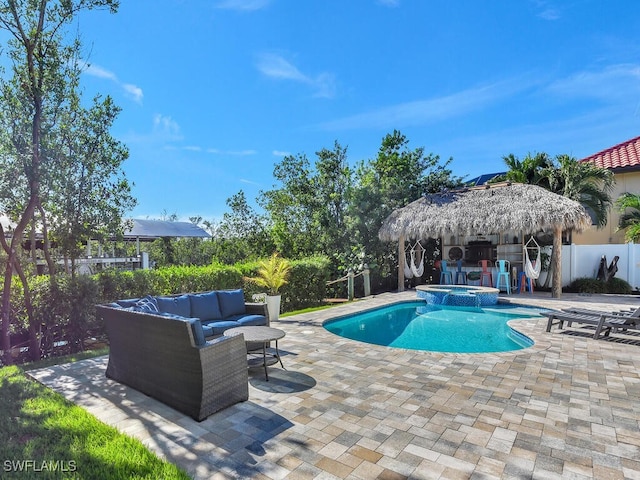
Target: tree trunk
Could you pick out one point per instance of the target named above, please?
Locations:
(401, 260)
(557, 263)
(46, 245)
(547, 281)
(12, 259)
(34, 327)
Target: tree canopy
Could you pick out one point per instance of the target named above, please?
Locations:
(60, 166)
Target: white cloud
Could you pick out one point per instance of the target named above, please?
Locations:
(420, 112)
(99, 72)
(612, 83)
(277, 67)
(280, 153)
(240, 153)
(550, 14)
(243, 5)
(132, 91)
(249, 182)
(547, 11)
(164, 126)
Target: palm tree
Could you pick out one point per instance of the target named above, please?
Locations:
(585, 183)
(529, 170)
(629, 206)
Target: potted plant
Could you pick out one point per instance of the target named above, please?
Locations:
(273, 274)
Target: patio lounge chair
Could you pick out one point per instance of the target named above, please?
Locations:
(603, 321)
(634, 313)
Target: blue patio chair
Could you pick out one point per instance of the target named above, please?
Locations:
(461, 275)
(445, 273)
(503, 274)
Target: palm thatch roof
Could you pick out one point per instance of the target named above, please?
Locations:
(487, 209)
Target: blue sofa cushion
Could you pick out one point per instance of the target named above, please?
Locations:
(205, 306)
(247, 320)
(231, 302)
(207, 330)
(198, 331)
(147, 304)
(196, 327)
(175, 305)
(218, 327)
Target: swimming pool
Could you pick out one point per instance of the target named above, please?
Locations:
(438, 328)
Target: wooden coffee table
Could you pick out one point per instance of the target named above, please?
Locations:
(262, 336)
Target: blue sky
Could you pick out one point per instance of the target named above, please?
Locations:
(214, 92)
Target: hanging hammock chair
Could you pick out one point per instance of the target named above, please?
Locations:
(419, 269)
(407, 270)
(408, 274)
(532, 270)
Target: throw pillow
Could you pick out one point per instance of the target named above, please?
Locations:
(147, 304)
(231, 302)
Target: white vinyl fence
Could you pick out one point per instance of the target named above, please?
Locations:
(580, 261)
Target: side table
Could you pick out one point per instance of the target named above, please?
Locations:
(261, 335)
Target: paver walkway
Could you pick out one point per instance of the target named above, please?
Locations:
(568, 407)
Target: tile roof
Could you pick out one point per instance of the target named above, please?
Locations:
(624, 155)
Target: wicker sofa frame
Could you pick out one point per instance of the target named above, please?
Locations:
(158, 356)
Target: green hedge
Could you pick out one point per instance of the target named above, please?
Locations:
(593, 285)
(66, 307)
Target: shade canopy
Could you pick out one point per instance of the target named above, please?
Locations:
(490, 209)
(152, 229)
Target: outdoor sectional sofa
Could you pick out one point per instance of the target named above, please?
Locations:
(165, 354)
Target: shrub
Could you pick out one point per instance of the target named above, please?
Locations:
(307, 285)
(617, 285)
(65, 308)
(593, 285)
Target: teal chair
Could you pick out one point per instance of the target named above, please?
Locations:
(503, 274)
(445, 274)
(461, 275)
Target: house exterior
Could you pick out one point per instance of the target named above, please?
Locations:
(624, 161)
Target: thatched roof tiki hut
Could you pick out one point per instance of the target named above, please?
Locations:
(487, 210)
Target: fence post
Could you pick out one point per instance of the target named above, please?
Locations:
(367, 282)
(350, 277)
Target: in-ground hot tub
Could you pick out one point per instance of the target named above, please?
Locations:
(458, 295)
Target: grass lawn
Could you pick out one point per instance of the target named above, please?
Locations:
(45, 436)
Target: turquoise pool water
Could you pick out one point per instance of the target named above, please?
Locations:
(438, 328)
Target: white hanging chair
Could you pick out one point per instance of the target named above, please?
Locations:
(407, 270)
(419, 269)
(532, 270)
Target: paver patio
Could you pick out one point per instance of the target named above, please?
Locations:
(568, 407)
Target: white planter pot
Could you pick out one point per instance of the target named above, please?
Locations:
(273, 306)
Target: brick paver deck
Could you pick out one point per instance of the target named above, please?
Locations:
(568, 407)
